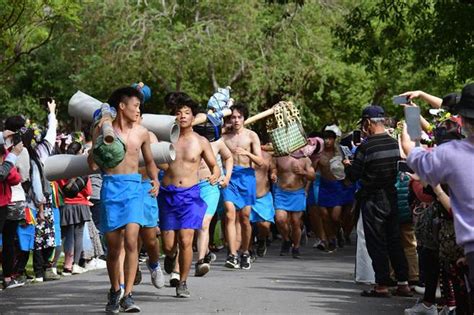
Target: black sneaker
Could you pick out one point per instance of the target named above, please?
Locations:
(285, 248)
(127, 304)
(331, 246)
(245, 261)
(170, 262)
(208, 258)
(13, 283)
(174, 280)
(262, 248)
(232, 262)
(253, 256)
(201, 268)
(113, 305)
(322, 246)
(295, 252)
(182, 290)
(138, 277)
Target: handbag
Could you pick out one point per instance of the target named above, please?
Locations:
(285, 129)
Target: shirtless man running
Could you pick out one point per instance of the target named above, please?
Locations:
(240, 195)
(121, 196)
(290, 177)
(181, 206)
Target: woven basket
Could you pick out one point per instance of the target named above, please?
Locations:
(285, 129)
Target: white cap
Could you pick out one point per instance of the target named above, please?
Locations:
(334, 129)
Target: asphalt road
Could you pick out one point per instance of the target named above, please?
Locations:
(318, 283)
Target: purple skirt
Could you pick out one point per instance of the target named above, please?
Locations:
(181, 208)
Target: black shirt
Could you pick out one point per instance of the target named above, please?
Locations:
(375, 162)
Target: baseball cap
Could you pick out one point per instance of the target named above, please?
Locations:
(465, 107)
(335, 129)
(373, 111)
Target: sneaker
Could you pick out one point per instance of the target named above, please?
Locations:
(210, 257)
(138, 277)
(202, 267)
(50, 275)
(245, 261)
(170, 262)
(182, 290)
(321, 246)
(113, 299)
(37, 280)
(420, 308)
(13, 283)
(262, 247)
(174, 280)
(285, 248)
(232, 262)
(91, 265)
(100, 263)
(127, 304)
(253, 256)
(157, 277)
(331, 247)
(142, 257)
(295, 252)
(67, 272)
(304, 236)
(420, 289)
(77, 270)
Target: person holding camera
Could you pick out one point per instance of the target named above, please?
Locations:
(375, 165)
(452, 164)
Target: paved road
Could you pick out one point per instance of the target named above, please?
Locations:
(319, 283)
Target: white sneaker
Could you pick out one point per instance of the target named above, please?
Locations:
(174, 279)
(421, 309)
(76, 269)
(100, 264)
(419, 290)
(37, 279)
(317, 243)
(91, 265)
(157, 277)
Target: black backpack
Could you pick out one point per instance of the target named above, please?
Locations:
(74, 186)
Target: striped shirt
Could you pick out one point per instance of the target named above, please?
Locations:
(375, 162)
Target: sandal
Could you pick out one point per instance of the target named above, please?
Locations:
(403, 293)
(374, 293)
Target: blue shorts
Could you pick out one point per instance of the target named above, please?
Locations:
(242, 189)
(150, 206)
(331, 193)
(121, 201)
(57, 227)
(289, 200)
(181, 208)
(211, 195)
(263, 210)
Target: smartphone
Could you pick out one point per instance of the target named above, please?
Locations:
(356, 137)
(397, 100)
(402, 166)
(45, 100)
(412, 119)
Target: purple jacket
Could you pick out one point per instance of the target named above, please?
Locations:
(453, 164)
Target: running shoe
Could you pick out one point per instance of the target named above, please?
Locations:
(262, 247)
(295, 252)
(253, 256)
(182, 290)
(420, 309)
(245, 261)
(174, 280)
(202, 267)
(232, 262)
(340, 238)
(13, 283)
(127, 304)
(170, 262)
(331, 246)
(50, 274)
(157, 277)
(285, 248)
(210, 257)
(113, 302)
(138, 277)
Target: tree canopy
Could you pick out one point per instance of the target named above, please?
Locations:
(330, 57)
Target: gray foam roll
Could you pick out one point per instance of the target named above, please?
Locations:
(64, 166)
(83, 106)
(163, 126)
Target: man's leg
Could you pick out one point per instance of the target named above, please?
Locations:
(246, 228)
(115, 244)
(185, 241)
(281, 221)
(408, 240)
(151, 243)
(203, 237)
(131, 255)
(170, 249)
(231, 233)
(295, 222)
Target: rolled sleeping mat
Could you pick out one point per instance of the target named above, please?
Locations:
(163, 126)
(83, 106)
(107, 130)
(64, 166)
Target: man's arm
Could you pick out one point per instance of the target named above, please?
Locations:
(434, 101)
(273, 170)
(150, 165)
(228, 160)
(208, 155)
(310, 172)
(256, 154)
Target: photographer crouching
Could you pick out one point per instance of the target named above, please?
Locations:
(375, 165)
(453, 164)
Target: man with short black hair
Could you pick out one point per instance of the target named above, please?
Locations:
(375, 165)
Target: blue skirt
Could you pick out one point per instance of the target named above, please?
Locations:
(150, 206)
(289, 200)
(242, 189)
(263, 210)
(181, 208)
(331, 193)
(211, 195)
(313, 192)
(121, 201)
